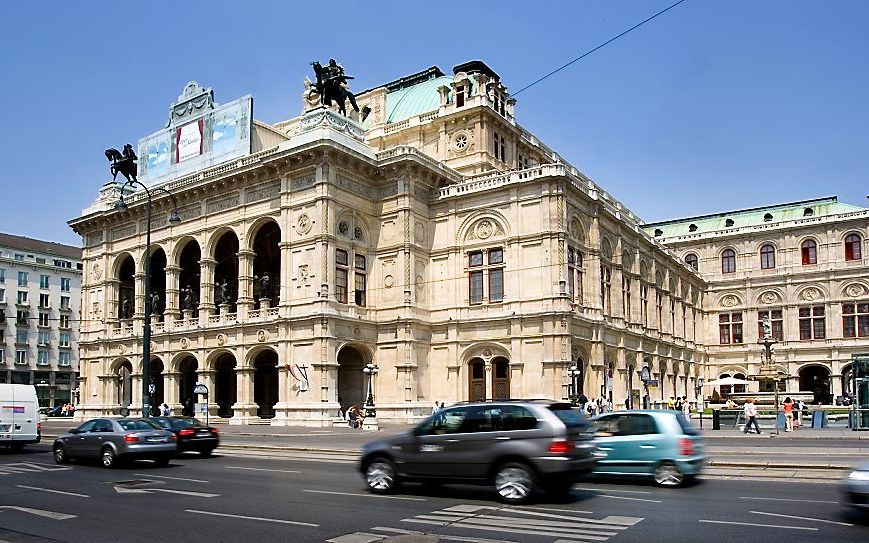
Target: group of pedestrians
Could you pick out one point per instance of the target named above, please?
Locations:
(793, 411)
(594, 407)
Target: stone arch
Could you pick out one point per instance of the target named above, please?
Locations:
(119, 260)
(812, 292)
(606, 248)
(627, 261)
(265, 242)
(265, 362)
(224, 364)
(484, 350)
(816, 378)
(224, 249)
(470, 228)
(758, 245)
(730, 299)
(214, 355)
(176, 359)
(186, 365)
(247, 239)
(187, 254)
(213, 238)
(351, 387)
(576, 230)
(854, 289)
(179, 245)
(770, 296)
(727, 248)
(645, 268)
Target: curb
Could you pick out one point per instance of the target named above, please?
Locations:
(774, 465)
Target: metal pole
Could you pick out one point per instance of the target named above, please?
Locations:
(146, 329)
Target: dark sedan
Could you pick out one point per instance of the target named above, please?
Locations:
(113, 440)
(192, 435)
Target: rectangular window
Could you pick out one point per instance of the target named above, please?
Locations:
(496, 256)
(2, 275)
(22, 318)
(475, 259)
(605, 289)
(672, 315)
(776, 321)
(64, 303)
(43, 281)
(44, 300)
(2, 295)
(730, 328)
(460, 96)
(64, 321)
(42, 358)
(43, 319)
(42, 337)
(574, 274)
(644, 304)
(476, 287)
(626, 297)
(63, 358)
(855, 320)
(63, 340)
(359, 262)
(496, 285)
(341, 257)
(20, 359)
(64, 284)
(19, 256)
(62, 263)
(21, 336)
(659, 309)
(359, 297)
(22, 297)
(341, 285)
(22, 279)
(499, 147)
(812, 322)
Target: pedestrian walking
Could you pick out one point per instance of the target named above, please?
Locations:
(788, 406)
(686, 407)
(750, 411)
(165, 410)
(583, 402)
(677, 405)
(435, 409)
(798, 413)
(671, 403)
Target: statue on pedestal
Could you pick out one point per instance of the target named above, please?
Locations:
(187, 299)
(332, 85)
(155, 303)
(123, 163)
(126, 310)
(224, 292)
(264, 285)
(767, 327)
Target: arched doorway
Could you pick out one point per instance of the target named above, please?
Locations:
(127, 288)
(156, 376)
(476, 380)
(265, 383)
(224, 385)
(351, 382)
(226, 270)
(158, 282)
(188, 278)
(187, 381)
(579, 380)
(816, 379)
(267, 262)
(124, 375)
(500, 378)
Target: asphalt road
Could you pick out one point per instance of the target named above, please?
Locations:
(248, 498)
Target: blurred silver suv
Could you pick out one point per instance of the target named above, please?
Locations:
(518, 446)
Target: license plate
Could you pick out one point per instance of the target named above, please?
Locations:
(204, 432)
(156, 439)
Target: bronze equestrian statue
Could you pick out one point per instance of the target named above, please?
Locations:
(332, 85)
(124, 163)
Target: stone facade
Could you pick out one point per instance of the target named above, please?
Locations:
(435, 238)
(803, 263)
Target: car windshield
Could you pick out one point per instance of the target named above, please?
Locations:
(571, 418)
(687, 428)
(130, 424)
(186, 423)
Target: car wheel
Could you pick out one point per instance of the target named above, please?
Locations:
(108, 457)
(514, 483)
(60, 455)
(380, 476)
(667, 474)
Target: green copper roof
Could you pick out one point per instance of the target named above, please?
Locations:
(818, 207)
(420, 98)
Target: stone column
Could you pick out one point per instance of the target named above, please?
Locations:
(245, 301)
(285, 274)
(113, 308)
(244, 408)
(172, 311)
(171, 382)
(206, 288)
(490, 390)
(136, 401)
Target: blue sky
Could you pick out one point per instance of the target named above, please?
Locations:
(715, 105)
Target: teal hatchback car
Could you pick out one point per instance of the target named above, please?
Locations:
(659, 444)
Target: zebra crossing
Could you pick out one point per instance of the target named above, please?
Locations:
(463, 522)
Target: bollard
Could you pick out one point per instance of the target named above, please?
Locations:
(716, 419)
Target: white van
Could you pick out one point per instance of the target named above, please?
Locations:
(19, 416)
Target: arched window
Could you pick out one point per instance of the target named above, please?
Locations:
(692, 260)
(852, 247)
(767, 257)
(809, 251)
(728, 261)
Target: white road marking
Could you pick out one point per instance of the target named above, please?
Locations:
(628, 498)
(264, 469)
(538, 532)
(590, 489)
(802, 518)
(262, 519)
(184, 492)
(440, 536)
(573, 527)
(366, 495)
(624, 521)
(784, 499)
(463, 508)
(29, 467)
(39, 512)
(357, 537)
(173, 478)
(528, 507)
(757, 525)
(53, 491)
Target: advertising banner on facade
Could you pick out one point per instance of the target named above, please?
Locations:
(188, 141)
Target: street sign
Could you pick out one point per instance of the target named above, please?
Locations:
(652, 383)
(202, 407)
(644, 374)
(152, 388)
(200, 389)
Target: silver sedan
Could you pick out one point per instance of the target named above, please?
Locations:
(856, 487)
(113, 440)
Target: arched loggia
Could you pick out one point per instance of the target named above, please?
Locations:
(267, 262)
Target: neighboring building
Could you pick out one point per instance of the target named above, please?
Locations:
(40, 297)
(431, 235)
(804, 264)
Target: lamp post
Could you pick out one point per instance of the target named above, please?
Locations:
(700, 399)
(174, 218)
(645, 376)
(370, 370)
(573, 372)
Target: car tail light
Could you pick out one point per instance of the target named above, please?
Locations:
(561, 447)
(131, 438)
(186, 432)
(214, 431)
(686, 447)
(172, 437)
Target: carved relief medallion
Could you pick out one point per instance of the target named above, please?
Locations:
(389, 281)
(811, 294)
(304, 224)
(185, 343)
(769, 297)
(729, 301)
(221, 339)
(97, 271)
(484, 229)
(419, 232)
(855, 290)
(262, 336)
